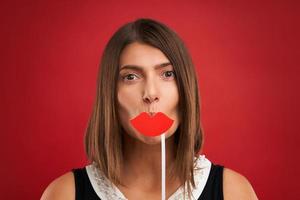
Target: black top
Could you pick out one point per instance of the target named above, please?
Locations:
(213, 189)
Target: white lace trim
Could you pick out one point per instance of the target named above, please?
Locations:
(106, 190)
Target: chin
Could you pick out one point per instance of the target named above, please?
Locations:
(150, 140)
(135, 135)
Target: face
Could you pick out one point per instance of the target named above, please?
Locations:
(146, 83)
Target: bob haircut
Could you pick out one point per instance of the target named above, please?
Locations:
(103, 138)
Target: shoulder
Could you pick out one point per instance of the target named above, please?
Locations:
(62, 188)
(236, 186)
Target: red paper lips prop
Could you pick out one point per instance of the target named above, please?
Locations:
(151, 126)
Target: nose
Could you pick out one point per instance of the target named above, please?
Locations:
(149, 99)
(150, 93)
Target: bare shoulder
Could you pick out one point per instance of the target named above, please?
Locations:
(236, 186)
(62, 188)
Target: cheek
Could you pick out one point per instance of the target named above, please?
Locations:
(126, 100)
(172, 97)
(173, 104)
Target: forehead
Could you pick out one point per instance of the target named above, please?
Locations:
(142, 55)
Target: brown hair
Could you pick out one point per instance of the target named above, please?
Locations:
(103, 140)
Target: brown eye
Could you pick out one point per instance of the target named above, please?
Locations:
(169, 74)
(129, 77)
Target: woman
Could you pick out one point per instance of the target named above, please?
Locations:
(146, 67)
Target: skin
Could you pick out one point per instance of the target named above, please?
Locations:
(146, 89)
(149, 90)
(155, 90)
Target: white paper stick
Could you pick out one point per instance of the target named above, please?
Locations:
(163, 167)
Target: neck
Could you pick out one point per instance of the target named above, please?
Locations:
(142, 162)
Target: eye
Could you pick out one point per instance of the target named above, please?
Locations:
(169, 74)
(129, 77)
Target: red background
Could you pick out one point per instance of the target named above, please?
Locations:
(247, 58)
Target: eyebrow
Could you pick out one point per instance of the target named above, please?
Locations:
(138, 68)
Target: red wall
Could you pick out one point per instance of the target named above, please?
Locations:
(247, 58)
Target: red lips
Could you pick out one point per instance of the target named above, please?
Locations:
(151, 126)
